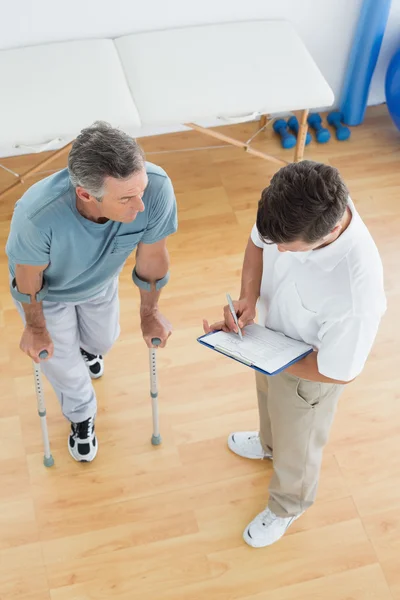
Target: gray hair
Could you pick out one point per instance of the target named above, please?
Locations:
(101, 151)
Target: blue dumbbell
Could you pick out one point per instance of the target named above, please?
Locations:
(342, 132)
(315, 122)
(287, 139)
(293, 124)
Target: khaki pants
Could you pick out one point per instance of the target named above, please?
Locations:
(295, 420)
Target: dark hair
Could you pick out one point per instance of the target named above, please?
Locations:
(102, 151)
(304, 201)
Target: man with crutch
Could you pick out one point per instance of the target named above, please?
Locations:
(69, 238)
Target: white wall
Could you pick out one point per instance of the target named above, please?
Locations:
(326, 26)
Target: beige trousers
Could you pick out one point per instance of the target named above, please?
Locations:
(295, 420)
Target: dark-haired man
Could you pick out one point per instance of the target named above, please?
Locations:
(315, 271)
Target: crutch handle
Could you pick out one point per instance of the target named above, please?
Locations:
(154, 341)
(43, 354)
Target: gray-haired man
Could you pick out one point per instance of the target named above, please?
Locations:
(70, 236)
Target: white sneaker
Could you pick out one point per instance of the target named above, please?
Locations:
(247, 444)
(82, 441)
(266, 529)
(94, 363)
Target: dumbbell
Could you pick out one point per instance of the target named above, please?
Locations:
(342, 132)
(293, 124)
(287, 139)
(315, 122)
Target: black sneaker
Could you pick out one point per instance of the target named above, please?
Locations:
(82, 442)
(94, 363)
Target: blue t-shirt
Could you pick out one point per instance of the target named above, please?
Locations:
(83, 256)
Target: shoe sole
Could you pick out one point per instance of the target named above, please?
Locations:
(250, 542)
(97, 375)
(84, 460)
(233, 448)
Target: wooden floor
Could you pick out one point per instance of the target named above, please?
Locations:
(166, 522)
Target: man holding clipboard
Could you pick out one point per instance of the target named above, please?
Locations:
(314, 272)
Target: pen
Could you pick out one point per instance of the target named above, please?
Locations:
(231, 308)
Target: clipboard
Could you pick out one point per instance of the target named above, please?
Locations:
(248, 363)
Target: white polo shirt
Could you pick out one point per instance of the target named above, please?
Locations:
(332, 298)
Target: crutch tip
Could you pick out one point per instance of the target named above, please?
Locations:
(48, 461)
(156, 440)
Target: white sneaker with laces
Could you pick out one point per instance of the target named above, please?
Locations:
(266, 529)
(94, 363)
(247, 444)
(82, 441)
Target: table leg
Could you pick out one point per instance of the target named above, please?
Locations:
(301, 137)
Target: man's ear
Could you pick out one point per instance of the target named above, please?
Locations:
(83, 194)
(337, 228)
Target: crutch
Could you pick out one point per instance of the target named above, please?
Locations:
(156, 437)
(48, 460)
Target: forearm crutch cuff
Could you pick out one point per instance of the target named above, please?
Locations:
(144, 285)
(26, 298)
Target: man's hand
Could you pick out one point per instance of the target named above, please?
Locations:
(152, 263)
(34, 340)
(155, 325)
(245, 311)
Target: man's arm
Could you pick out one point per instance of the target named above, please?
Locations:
(252, 270)
(245, 307)
(251, 273)
(152, 264)
(307, 368)
(29, 281)
(35, 338)
(345, 346)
